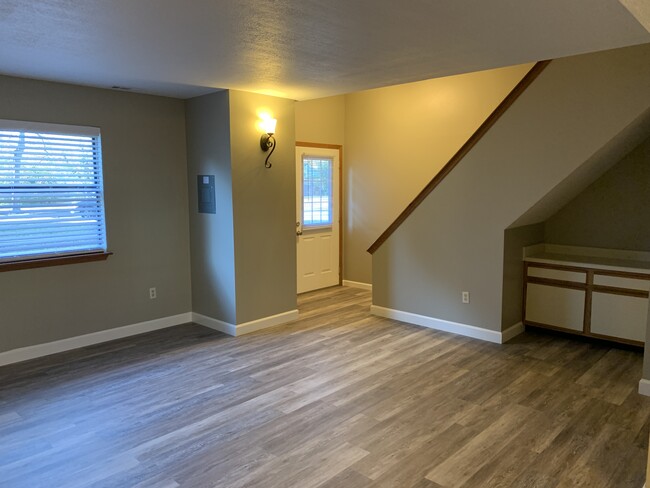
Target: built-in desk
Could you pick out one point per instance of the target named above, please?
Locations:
(599, 293)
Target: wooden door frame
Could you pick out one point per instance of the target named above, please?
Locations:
(339, 148)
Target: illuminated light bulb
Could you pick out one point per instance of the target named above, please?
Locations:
(268, 125)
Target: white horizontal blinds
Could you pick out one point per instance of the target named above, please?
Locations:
(51, 190)
(317, 191)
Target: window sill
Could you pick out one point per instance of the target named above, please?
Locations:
(54, 261)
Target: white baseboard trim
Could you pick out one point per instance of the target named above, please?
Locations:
(512, 332)
(247, 327)
(644, 387)
(263, 323)
(447, 326)
(39, 350)
(357, 284)
(215, 324)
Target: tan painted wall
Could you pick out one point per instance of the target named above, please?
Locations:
(396, 140)
(264, 202)
(321, 120)
(419, 127)
(454, 240)
(145, 186)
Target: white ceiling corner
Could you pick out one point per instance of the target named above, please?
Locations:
(640, 9)
(297, 49)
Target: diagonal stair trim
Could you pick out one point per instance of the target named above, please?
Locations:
(520, 88)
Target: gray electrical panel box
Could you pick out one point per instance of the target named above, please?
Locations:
(205, 191)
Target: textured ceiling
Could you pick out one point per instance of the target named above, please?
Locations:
(298, 49)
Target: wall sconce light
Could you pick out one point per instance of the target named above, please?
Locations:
(268, 141)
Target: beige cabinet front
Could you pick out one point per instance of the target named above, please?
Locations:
(555, 306)
(619, 316)
(608, 304)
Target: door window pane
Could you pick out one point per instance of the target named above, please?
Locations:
(316, 191)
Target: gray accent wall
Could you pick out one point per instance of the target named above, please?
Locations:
(514, 241)
(244, 256)
(144, 161)
(454, 240)
(211, 235)
(613, 212)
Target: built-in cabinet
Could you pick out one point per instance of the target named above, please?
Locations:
(585, 298)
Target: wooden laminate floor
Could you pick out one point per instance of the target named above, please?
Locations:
(337, 399)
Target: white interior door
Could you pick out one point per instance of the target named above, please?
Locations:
(317, 217)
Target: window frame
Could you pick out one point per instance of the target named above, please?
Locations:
(55, 258)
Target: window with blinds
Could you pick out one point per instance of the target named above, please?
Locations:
(51, 191)
(316, 191)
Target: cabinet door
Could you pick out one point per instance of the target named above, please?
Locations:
(552, 305)
(619, 316)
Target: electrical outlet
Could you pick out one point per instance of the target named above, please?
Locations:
(152, 293)
(465, 297)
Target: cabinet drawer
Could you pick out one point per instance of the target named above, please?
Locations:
(559, 307)
(620, 282)
(558, 274)
(619, 316)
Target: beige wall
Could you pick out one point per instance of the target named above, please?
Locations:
(144, 162)
(321, 120)
(264, 202)
(396, 140)
(613, 212)
(454, 240)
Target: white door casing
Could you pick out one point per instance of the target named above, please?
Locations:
(317, 217)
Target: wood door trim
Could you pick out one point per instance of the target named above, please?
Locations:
(613, 290)
(621, 340)
(588, 302)
(623, 274)
(319, 145)
(568, 267)
(339, 148)
(574, 285)
(591, 267)
(591, 335)
(554, 327)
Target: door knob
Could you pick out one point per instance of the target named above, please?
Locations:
(298, 229)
